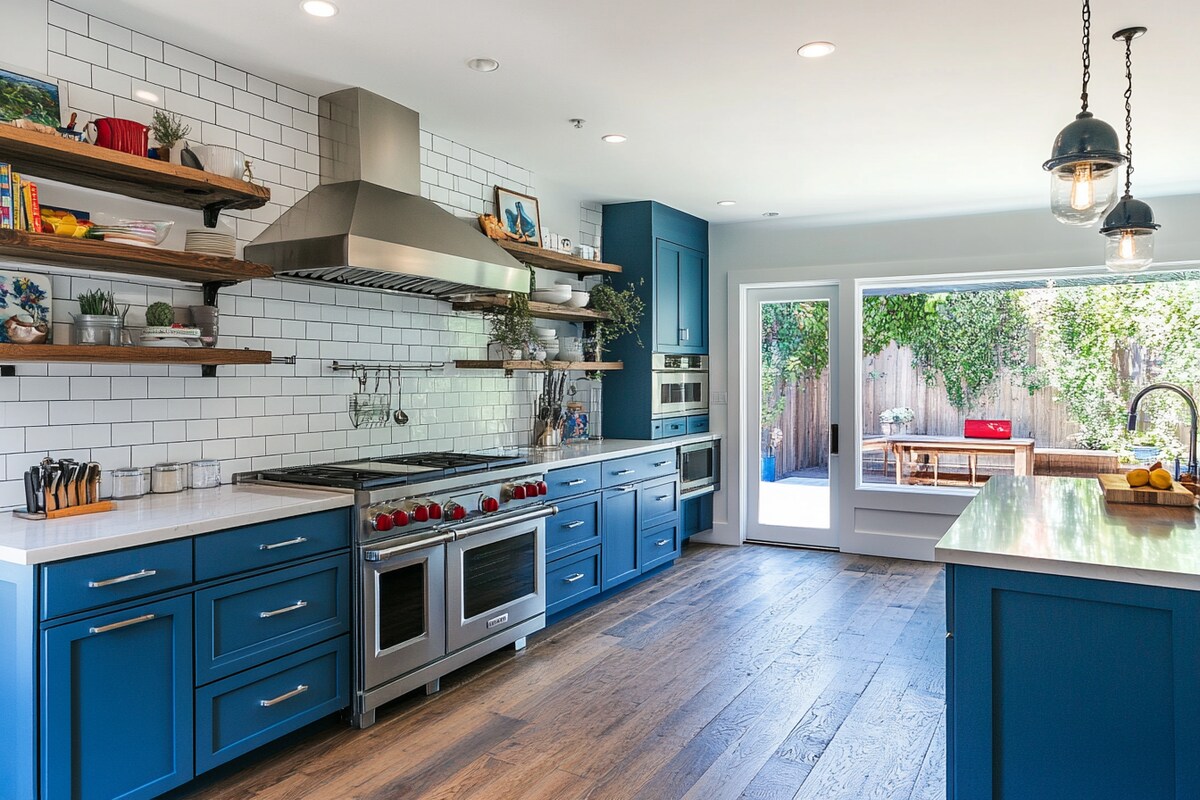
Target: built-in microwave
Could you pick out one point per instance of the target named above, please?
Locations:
(699, 468)
(680, 385)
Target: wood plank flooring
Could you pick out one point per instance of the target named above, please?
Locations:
(753, 672)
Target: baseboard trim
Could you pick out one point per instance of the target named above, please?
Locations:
(888, 545)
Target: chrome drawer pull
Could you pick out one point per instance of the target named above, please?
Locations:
(662, 497)
(573, 578)
(286, 609)
(288, 543)
(577, 482)
(145, 573)
(625, 488)
(125, 624)
(662, 463)
(624, 472)
(301, 689)
(574, 524)
(662, 542)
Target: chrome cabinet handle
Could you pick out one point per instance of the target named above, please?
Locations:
(662, 543)
(662, 497)
(577, 482)
(145, 573)
(288, 543)
(284, 610)
(625, 488)
(573, 578)
(301, 689)
(574, 524)
(114, 626)
(624, 472)
(662, 463)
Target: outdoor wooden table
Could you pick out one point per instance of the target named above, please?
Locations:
(1020, 449)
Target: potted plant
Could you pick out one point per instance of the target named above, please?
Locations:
(624, 309)
(774, 439)
(98, 321)
(894, 420)
(511, 326)
(168, 129)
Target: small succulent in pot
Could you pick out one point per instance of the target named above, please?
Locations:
(167, 129)
(98, 321)
(160, 315)
(97, 303)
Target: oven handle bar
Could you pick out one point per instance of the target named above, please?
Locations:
(496, 524)
(399, 550)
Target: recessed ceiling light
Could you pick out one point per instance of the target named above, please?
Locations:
(319, 8)
(614, 138)
(484, 64)
(816, 49)
(149, 97)
(727, 202)
(770, 213)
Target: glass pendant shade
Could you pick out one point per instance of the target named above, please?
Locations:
(1083, 167)
(1129, 236)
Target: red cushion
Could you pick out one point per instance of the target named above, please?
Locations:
(988, 429)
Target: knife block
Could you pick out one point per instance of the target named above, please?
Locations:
(69, 511)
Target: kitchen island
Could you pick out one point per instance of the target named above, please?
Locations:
(1073, 645)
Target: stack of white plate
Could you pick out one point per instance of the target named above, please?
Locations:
(548, 339)
(210, 242)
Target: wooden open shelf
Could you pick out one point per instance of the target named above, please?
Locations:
(81, 164)
(150, 262)
(561, 262)
(542, 366)
(539, 310)
(104, 354)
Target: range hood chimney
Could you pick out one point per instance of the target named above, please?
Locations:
(366, 223)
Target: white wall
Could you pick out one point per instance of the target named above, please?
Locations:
(887, 522)
(25, 34)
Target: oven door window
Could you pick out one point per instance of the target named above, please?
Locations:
(497, 574)
(401, 609)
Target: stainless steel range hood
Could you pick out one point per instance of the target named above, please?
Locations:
(366, 223)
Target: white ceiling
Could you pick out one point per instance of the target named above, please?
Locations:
(927, 108)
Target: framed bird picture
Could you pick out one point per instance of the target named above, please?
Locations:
(518, 213)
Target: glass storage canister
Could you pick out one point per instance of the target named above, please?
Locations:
(168, 478)
(206, 473)
(128, 483)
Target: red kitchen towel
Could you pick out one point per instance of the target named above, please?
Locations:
(988, 429)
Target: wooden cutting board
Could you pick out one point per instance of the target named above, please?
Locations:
(1117, 490)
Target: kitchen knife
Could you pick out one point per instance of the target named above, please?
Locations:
(31, 490)
(60, 489)
(49, 489)
(93, 482)
(71, 481)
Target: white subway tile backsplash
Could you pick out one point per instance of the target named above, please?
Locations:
(65, 17)
(85, 49)
(69, 69)
(145, 45)
(163, 74)
(192, 62)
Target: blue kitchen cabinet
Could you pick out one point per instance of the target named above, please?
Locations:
(1067, 687)
(663, 255)
(620, 538)
(117, 703)
(696, 515)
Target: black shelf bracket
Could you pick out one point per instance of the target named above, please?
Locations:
(211, 288)
(212, 212)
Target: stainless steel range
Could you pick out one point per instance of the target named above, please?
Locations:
(451, 563)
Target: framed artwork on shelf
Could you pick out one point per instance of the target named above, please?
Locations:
(31, 97)
(25, 308)
(518, 213)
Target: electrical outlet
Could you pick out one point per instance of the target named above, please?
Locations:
(719, 398)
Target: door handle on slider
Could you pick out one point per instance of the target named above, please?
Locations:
(301, 689)
(145, 573)
(125, 624)
(284, 610)
(288, 543)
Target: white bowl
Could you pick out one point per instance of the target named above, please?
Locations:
(556, 296)
(545, 333)
(579, 298)
(221, 160)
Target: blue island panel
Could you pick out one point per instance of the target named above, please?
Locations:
(18, 676)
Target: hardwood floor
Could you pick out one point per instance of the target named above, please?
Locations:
(752, 672)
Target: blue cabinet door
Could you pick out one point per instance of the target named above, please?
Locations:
(117, 703)
(619, 544)
(667, 260)
(693, 302)
(1064, 687)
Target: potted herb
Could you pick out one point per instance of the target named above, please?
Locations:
(624, 309)
(168, 129)
(98, 321)
(511, 326)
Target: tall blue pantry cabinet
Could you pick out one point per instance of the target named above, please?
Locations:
(664, 256)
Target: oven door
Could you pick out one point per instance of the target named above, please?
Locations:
(698, 467)
(495, 576)
(679, 393)
(404, 609)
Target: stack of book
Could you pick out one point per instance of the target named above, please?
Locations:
(19, 208)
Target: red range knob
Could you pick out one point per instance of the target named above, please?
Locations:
(400, 518)
(518, 492)
(435, 511)
(382, 522)
(420, 514)
(542, 488)
(457, 512)
(531, 490)
(489, 505)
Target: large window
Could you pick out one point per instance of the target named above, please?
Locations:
(1051, 364)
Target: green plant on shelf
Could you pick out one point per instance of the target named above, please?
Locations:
(98, 303)
(160, 315)
(168, 129)
(624, 309)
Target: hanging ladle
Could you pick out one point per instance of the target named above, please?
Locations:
(398, 416)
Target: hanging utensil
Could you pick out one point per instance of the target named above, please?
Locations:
(400, 417)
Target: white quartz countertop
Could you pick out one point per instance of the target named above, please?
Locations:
(570, 455)
(157, 518)
(1063, 526)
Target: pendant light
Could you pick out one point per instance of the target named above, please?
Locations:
(1130, 226)
(1083, 164)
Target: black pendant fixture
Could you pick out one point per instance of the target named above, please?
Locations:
(1130, 226)
(1083, 164)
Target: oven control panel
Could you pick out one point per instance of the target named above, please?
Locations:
(413, 513)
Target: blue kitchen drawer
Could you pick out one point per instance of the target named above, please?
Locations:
(106, 578)
(231, 718)
(675, 426)
(659, 502)
(639, 468)
(270, 544)
(247, 622)
(572, 481)
(659, 546)
(572, 580)
(697, 424)
(656, 429)
(576, 527)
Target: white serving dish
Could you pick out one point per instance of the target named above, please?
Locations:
(579, 298)
(555, 296)
(221, 160)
